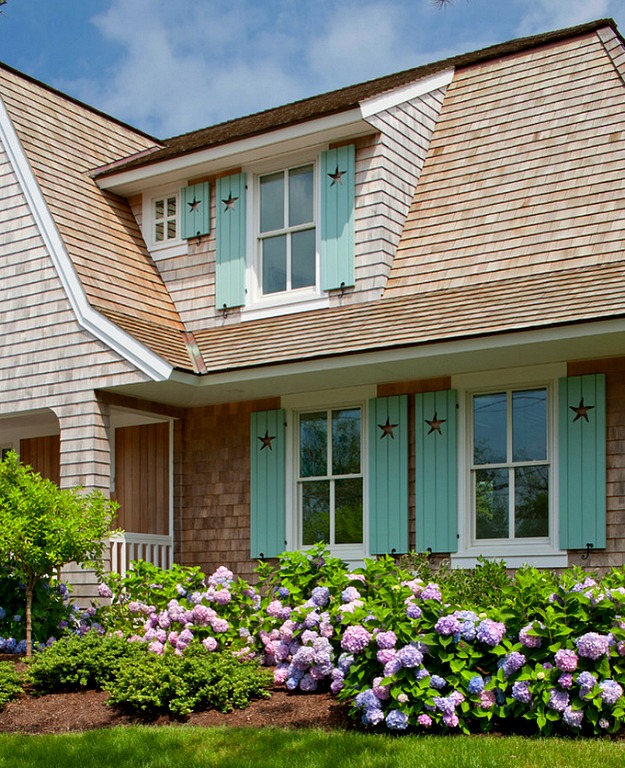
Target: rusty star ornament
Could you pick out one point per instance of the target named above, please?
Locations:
(581, 411)
(266, 440)
(387, 429)
(435, 424)
(229, 203)
(194, 204)
(337, 177)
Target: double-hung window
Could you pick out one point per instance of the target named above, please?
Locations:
(330, 476)
(287, 235)
(510, 465)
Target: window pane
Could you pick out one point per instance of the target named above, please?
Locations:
(272, 202)
(303, 258)
(274, 264)
(531, 490)
(171, 206)
(159, 208)
(171, 229)
(313, 445)
(346, 441)
(300, 195)
(316, 512)
(348, 511)
(529, 425)
(489, 429)
(159, 232)
(491, 504)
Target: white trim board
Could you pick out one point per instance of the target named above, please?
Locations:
(88, 318)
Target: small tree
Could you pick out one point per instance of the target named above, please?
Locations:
(42, 527)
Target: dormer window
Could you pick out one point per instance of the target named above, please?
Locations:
(287, 241)
(165, 213)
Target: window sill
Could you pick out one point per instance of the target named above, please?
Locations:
(538, 556)
(169, 250)
(284, 306)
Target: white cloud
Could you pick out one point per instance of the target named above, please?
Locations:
(544, 15)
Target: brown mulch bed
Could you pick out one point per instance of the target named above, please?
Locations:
(87, 710)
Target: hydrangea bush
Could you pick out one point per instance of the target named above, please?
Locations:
(52, 613)
(402, 650)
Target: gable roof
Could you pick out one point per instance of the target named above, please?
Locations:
(333, 102)
(62, 140)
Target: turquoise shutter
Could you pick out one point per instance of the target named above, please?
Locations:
(436, 471)
(337, 217)
(231, 227)
(582, 449)
(267, 483)
(195, 210)
(388, 475)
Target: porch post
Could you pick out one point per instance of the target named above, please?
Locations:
(85, 460)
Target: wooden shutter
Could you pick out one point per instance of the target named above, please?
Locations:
(337, 217)
(582, 462)
(231, 226)
(388, 474)
(267, 460)
(195, 210)
(436, 471)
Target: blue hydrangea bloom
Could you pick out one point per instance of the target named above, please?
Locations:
(476, 684)
(397, 720)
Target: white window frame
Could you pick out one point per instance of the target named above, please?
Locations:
(162, 249)
(294, 405)
(284, 302)
(543, 552)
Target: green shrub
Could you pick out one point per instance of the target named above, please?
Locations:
(80, 662)
(10, 682)
(150, 683)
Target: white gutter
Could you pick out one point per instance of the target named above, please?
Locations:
(383, 101)
(92, 321)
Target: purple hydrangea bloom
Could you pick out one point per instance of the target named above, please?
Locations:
(425, 721)
(604, 723)
(521, 691)
(566, 660)
(392, 667)
(437, 682)
(222, 596)
(445, 704)
(308, 683)
(468, 631)
(412, 610)
(220, 625)
(337, 685)
(367, 699)
(530, 641)
(490, 632)
(397, 720)
(383, 692)
(451, 720)
(447, 625)
(572, 717)
(386, 640)
(104, 590)
(320, 596)
(373, 716)
(586, 682)
(432, 592)
(210, 643)
(566, 680)
(349, 594)
(409, 657)
(611, 692)
(476, 684)
(593, 645)
(558, 700)
(345, 662)
(355, 639)
(513, 663)
(487, 699)
(222, 576)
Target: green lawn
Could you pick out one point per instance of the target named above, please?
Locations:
(181, 747)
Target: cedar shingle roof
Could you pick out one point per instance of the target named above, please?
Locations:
(515, 304)
(334, 102)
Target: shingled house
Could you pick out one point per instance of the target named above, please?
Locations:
(390, 317)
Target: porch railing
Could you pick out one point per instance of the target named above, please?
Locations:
(126, 547)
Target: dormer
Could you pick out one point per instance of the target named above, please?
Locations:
(295, 209)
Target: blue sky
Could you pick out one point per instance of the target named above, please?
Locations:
(171, 67)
